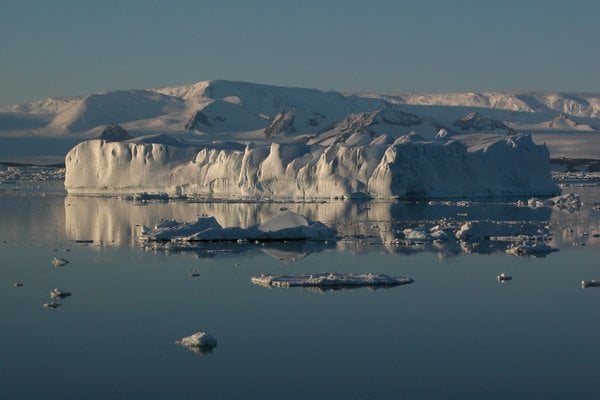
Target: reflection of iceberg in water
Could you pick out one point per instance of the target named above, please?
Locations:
(283, 251)
(362, 226)
(112, 220)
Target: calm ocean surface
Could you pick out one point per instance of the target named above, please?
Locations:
(456, 333)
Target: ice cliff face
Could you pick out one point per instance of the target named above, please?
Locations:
(409, 167)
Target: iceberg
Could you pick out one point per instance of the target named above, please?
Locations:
(410, 167)
(285, 226)
(329, 280)
(199, 342)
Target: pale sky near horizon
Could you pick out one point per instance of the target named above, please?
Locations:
(67, 47)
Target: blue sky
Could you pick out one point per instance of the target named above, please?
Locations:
(61, 48)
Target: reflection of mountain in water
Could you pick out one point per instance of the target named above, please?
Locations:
(362, 226)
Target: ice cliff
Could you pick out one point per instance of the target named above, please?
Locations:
(410, 167)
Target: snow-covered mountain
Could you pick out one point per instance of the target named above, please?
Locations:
(578, 105)
(384, 125)
(225, 110)
(475, 122)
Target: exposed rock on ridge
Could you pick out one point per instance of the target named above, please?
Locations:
(282, 123)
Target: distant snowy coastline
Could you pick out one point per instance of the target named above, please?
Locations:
(408, 167)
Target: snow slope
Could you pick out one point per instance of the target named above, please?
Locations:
(408, 167)
(229, 107)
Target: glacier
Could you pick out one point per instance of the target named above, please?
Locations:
(408, 167)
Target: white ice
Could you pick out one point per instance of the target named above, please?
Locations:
(327, 279)
(285, 226)
(409, 167)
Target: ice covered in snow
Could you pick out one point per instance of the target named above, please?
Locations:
(565, 200)
(503, 277)
(59, 262)
(570, 201)
(198, 341)
(530, 248)
(477, 230)
(285, 226)
(57, 293)
(410, 167)
(592, 283)
(328, 279)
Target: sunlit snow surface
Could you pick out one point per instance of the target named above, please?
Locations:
(410, 167)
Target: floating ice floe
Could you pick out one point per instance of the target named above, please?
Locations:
(57, 293)
(570, 201)
(59, 262)
(329, 280)
(416, 234)
(592, 283)
(503, 277)
(199, 342)
(476, 230)
(530, 248)
(285, 226)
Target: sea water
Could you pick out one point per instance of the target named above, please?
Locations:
(456, 332)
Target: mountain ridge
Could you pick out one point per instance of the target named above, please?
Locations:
(239, 108)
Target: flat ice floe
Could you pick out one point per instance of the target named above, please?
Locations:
(285, 226)
(330, 280)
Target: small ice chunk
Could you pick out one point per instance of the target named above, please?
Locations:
(532, 248)
(503, 277)
(477, 230)
(57, 293)
(59, 262)
(566, 200)
(198, 342)
(416, 234)
(51, 305)
(592, 283)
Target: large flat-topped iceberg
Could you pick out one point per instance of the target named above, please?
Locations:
(409, 167)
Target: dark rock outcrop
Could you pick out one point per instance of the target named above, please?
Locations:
(282, 123)
(479, 123)
(114, 133)
(197, 121)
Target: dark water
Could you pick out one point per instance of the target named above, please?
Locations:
(36, 150)
(456, 333)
